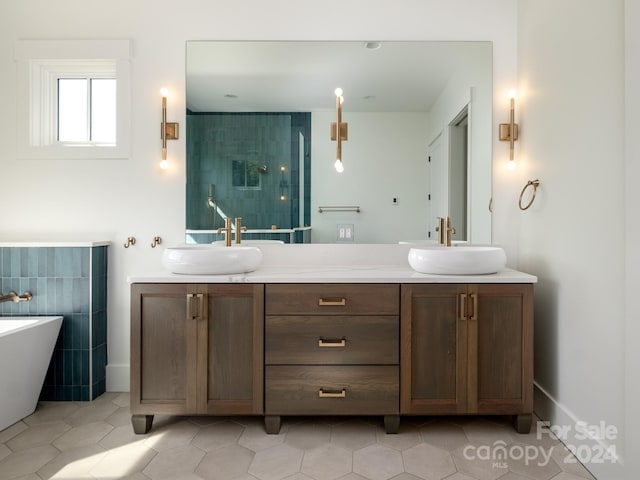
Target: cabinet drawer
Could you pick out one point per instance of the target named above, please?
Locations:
(332, 299)
(331, 390)
(332, 340)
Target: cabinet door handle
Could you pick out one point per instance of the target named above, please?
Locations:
(474, 301)
(463, 306)
(332, 343)
(332, 303)
(194, 305)
(322, 393)
(190, 306)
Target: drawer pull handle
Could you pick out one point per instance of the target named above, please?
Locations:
(332, 303)
(332, 343)
(322, 393)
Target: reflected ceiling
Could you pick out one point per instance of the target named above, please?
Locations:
(301, 76)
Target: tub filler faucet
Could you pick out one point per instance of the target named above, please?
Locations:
(15, 298)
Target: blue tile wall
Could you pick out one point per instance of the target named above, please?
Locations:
(72, 282)
(216, 140)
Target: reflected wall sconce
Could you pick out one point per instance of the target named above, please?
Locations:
(339, 130)
(509, 131)
(168, 130)
(283, 183)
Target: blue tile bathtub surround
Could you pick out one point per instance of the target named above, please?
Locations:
(72, 282)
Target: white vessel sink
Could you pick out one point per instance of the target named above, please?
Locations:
(211, 259)
(463, 260)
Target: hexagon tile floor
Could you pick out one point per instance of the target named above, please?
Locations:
(74, 440)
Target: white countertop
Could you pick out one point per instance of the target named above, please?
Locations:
(333, 263)
(337, 274)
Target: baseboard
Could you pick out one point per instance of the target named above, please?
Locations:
(599, 455)
(118, 378)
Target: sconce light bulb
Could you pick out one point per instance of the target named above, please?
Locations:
(282, 169)
(164, 164)
(338, 92)
(512, 164)
(282, 197)
(339, 166)
(512, 93)
(164, 92)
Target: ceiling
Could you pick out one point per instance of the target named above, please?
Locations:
(302, 76)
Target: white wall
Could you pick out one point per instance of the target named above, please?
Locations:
(384, 157)
(632, 236)
(571, 101)
(114, 199)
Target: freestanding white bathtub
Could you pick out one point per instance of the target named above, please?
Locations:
(26, 346)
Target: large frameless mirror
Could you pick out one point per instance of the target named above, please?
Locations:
(259, 144)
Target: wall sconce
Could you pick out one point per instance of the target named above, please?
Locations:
(339, 130)
(509, 131)
(283, 183)
(168, 130)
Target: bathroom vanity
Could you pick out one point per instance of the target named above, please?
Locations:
(302, 336)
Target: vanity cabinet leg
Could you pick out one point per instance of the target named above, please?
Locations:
(522, 422)
(272, 424)
(391, 423)
(141, 423)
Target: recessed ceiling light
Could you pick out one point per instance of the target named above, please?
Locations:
(372, 45)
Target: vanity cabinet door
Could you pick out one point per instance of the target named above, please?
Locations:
(467, 349)
(230, 350)
(163, 350)
(500, 348)
(433, 351)
(196, 349)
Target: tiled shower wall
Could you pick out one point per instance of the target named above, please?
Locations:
(71, 282)
(216, 140)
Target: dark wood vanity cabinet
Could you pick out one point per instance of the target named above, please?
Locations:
(196, 349)
(467, 349)
(332, 349)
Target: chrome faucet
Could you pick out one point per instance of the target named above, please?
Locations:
(227, 231)
(445, 230)
(239, 230)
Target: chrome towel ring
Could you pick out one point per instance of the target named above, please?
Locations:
(535, 183)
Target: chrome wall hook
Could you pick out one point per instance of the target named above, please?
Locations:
(130, 241)
(156, 241)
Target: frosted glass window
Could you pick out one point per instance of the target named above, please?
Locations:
(103, 110)
(87, 110)
(72, 110)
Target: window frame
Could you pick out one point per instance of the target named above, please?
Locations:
(40, 64)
